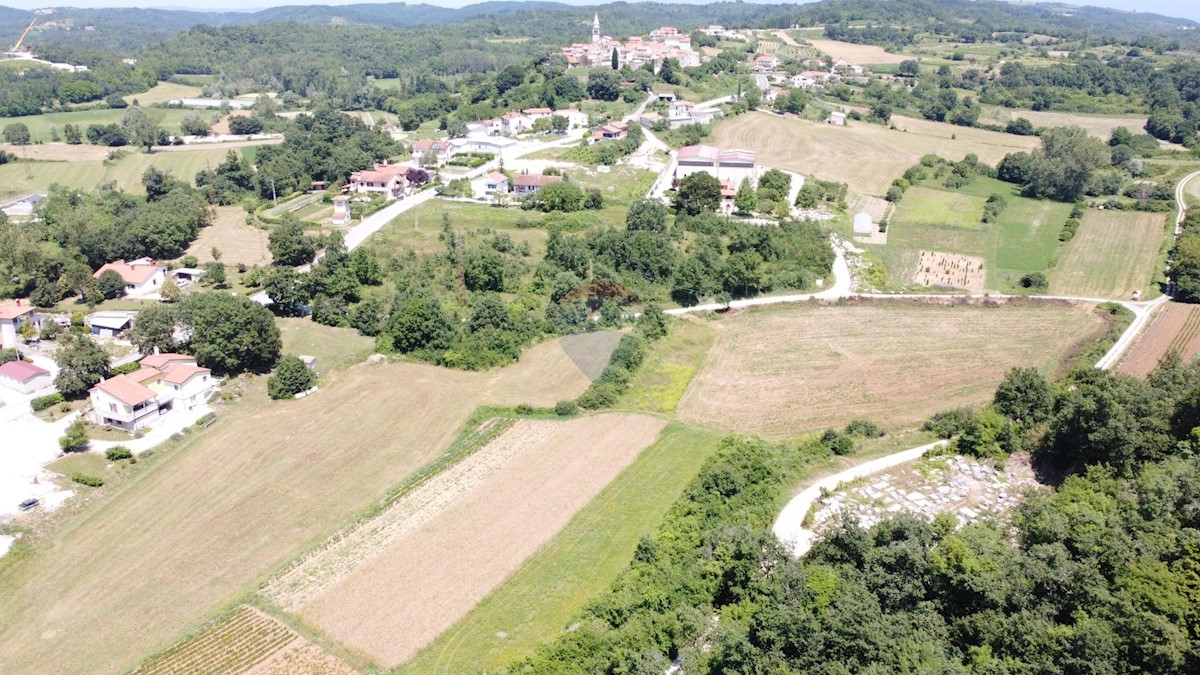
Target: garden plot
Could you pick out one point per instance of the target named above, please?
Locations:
(950, 270)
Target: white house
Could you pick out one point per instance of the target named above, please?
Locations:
(164, 382)
(385, 179)
(765, 62)
(514, 123)
(436, 149)
(24, 377)
(142, 276)
(527, 184)
(576, 119)
(837, 118)
(12, 316)
(495, 145)
(495, 182)
(188, 385)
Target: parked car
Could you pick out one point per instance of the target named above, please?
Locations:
(28, 504)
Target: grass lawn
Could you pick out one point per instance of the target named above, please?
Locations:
(668, 369)
(335, 348)
(237, 241)
(80, 462)
(1113, 254)
(535, 603)
(420, 228)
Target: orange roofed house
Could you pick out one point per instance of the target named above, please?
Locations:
(165, 382)
(142, 276)
(528, 184)
(12, 316)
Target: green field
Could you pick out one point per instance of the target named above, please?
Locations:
(536, 602)
(334, 348)
(1023, 240)
(1113, 254)
(39, 125)
(672, 362)
(21, 177)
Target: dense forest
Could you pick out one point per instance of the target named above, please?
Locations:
(1100, 575)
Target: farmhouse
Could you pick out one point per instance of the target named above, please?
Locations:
(528, 184)
(24, 377)
(142, 276)
(727, 165)
(613, 131)
(431, 152)
(385, 179)
(12, 316)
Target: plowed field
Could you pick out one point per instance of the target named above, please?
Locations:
(1175, 327)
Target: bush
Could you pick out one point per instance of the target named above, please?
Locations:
(525, 409)
(838, 443)
(117, 453)
(949, 423)
(49, 401)
(291, 377)
(566, 408)
(76, 437)
(87, 479)
(131, 367)
(1035, 281)
(864, 428)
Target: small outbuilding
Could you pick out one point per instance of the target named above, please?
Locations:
(24, 377)
(110, 324)
(863, 225)
(837, 119)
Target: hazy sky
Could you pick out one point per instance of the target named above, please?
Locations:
(1182, 8)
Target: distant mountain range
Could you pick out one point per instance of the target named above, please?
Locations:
(120, 29)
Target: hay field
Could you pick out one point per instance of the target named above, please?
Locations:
(57, 152)
(1175, 327)
(860, 54)
(1113, 254)
(1100, 126)
(163, 92)
(541, 597)
(865, 156)
(416, 586)
(237, 241)
(125, 172)
(210, 520)
(786, 370)
(39, 125)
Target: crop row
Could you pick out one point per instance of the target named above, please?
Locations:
(232, 645)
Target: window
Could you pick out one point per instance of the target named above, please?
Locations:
(112, 407)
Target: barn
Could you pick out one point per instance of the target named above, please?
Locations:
(24, 377)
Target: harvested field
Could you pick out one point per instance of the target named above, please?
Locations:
(590, 351)
(242, 642)
(860, 54)
(448, 548)
(865, 156)
(163, 92)
(126, 172)
(1100, 126)
(950, 270)
(1176, 327)
(237, 241)
(790, 369)
(236, 501)
(1113, 254)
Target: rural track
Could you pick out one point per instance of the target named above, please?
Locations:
(789, 525)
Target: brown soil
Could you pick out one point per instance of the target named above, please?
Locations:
(951, 270)
(1175, 327)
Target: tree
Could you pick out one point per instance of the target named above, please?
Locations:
(698, 193)
(170, 291)
(289, 244)
(775, 185)
(81, 365)
(159, 184)
(908, 68)
(75, 439)
(154, 328)
(616, 59)
(647, 214)
(795, 102)
(140, 127)
(283, 286)
(229, 333)
(603, 85)
(242, 125)
(1022, 127)
(1024, 396)
(417, 323)
(746, 199)
(1063, 166)
(291, 377)
(72, 135)
(193, 124)
(17, 133)
(111, 284)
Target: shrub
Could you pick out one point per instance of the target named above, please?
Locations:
(1035, 281)
(949, 423)
(838, 443)
(76, 437)
(131, 367)
(526, 409)
(87, 479)
(291, 377)
(117, 453)
(566, 408)
(864, 428)
(43, 402)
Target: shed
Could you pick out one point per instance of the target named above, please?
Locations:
(188, 274)
(837, 118)
(863, 226)
(24, 377)
(110, 324)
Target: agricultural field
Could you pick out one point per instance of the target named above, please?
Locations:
(419, 228)
(242, 641)
(865, 156)
(237, 500)
(1191, 193)
(1175, 327)
(334, 348)
(1100, 126)
(1024, 239)
(861, 54)
(782, 371)
(1113, 254)
(446, 548)
(669, 368)
(556, 582)
(39, 125)
(237, 241)
(126, 172)
(163, 92)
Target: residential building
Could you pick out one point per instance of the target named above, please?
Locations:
(162, 361)
(165, 382)
(535, 114)
(142, 276)
(683, 113)
(649, 119)
(513, 123)
(495, 145)
(613, 131)
(527, 184)
(24, 377)
(715, 30)
(109, 324)
(387, 180)
(480, 128)
(495, 182)
(431, 152)
(12, 316)
(765, 62)
(576, 119)
(731, 165)
(772, 94)
(661, 44)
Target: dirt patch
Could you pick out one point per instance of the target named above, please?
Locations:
(1175, 327)
(245, 641)
(950, 270)
(591, 351)
(785, 370)
(419, 584)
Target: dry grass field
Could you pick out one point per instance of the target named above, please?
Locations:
(228, 505)
(785, 370)
(865, 156)
(164, 92)
(1113, 254)
(1100, 126)
(237, 241)
(449, 546)
(1175, 326)
(860, 54)
(57, 152)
